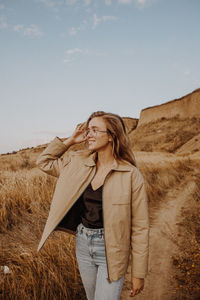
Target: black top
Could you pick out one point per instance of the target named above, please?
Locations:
(92, 214)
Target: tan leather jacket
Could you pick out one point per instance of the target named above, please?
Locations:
(125, 205)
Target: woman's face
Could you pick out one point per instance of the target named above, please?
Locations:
(97, 135)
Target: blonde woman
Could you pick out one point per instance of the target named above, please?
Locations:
(100, 196)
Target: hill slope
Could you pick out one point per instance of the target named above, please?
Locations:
(185, 107)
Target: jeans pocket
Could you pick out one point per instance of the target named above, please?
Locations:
(79, 229)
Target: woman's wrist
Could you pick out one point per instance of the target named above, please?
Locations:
(69, 141)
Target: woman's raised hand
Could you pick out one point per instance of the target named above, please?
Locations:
(78, 135)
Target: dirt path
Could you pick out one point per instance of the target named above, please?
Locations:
(162, 231)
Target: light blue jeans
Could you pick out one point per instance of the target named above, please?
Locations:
(90, 253)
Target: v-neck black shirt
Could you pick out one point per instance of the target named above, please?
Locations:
(92, 212)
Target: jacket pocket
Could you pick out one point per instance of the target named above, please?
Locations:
(121, 200)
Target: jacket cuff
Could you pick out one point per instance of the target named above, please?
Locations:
(56, 147)
(139, 275)
(54, 150)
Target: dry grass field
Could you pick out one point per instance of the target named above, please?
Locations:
(173, 186)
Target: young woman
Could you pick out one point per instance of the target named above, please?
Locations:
(100, 196)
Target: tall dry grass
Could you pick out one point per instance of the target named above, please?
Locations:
(25, 197)
(165, 177)
(24, 159)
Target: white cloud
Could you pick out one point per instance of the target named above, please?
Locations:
(108, 2)
(74, 30)
(124, 1)
(74, 54)
(31, 30)
(3, 22)
(143, 3)
(75, 50)
(97, 20)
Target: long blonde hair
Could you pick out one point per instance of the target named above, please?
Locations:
(117, 130)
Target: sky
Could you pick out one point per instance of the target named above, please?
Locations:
(61, 60)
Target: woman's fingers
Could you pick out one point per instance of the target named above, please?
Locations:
(80, 127)
(79, 133)
(134, 292)
(137, 286)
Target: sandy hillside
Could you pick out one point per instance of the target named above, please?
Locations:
(184, 107)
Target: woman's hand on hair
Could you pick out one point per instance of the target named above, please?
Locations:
(78, 135)
(137, 285)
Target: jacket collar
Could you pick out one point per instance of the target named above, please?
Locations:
(90, 161)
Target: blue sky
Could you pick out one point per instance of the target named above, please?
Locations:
(60, 60)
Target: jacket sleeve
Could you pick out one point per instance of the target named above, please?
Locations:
(50, 160)
(139, 227)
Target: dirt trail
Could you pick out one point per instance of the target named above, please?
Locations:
(162, 231)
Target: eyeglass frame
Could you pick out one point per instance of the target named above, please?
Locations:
(95, 131)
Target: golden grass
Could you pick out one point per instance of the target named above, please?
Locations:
(25, 197)
(161, 178)
(24, 159)
(50, 274)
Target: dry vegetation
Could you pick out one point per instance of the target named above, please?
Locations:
(51, 274)
(160, 178)
(25, 196)
(185, 278)
(186, 261)
(165, 134)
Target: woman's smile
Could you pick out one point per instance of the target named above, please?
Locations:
(91, 142)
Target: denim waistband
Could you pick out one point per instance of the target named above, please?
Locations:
(89, 231)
